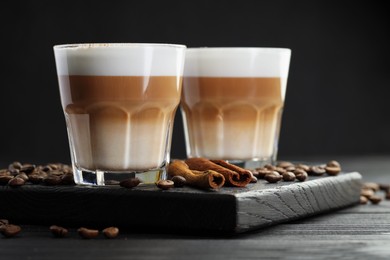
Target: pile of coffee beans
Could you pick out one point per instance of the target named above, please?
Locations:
(370, 192)
(288, 171)
(18, 174)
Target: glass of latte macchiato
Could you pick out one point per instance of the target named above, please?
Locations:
(232, 103)
(119, 102)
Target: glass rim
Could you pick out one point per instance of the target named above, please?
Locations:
(237, 49)
(115, 45)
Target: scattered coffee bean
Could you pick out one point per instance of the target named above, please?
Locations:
(16, 165)
(371, 185)
(304, 167)
(4, 179)
(179, 181)
(363, 200)
(375, 199)
(284, 164)
(87, 233)
(35, 178)
(58, 231)
(290, 168)
(16, 182)
(316, 170)
(10, 230)
(269, 167)
(332, 170)
(4, 172)
(300, 174)
(67, 179)
(368, 193)
(27, 168)
(273, 177)
(261, 172)
(23, 176)
(333, 163)
(165, 184)
(384, 186)
(288, 176)
(130, 183)
(52, 180)
(111, 232)
(280, 170)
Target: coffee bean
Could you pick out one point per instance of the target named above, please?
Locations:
(165, 184)
(253, 179)
(4, 179)
(288, 176)
(332, 170)
(273, 177)
(368, 193)
(375, 199)
(269, 167)
(300, 174)
(302, 166)
(23, 176)
(87, 233)
(284, 164)
(371, 185)
(16, 182)
(58, 231)
(261, 172)
(130, 183)
(35, 178)
(290, 168)
(333, 163)
(16, 165)
(363, 200)
(110, 232)
(179, 181)
(67, 179)
(316, 170)
(4, 222)
(4, 172)
(9, 230)
(384, 186)
(280, 170)
(27, 168)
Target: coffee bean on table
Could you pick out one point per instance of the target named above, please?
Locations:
(52, 180)
(10, 230)
(300, 174)
(261, 172)
(316, 170)
(371, 185)
(23, 176)
(58, 231)
(4, 179)
(179, 181)
(273, 177)
(333, 163)
(284, 164)
(363, 199)
(130, 183)
(165, 184)
(288, 176)
(110, 232)
(384, 186)
(27, 168)
(368, 193)
(375, 199)
(302, 166)
(87, 233)
(332, 170)
(16, 182)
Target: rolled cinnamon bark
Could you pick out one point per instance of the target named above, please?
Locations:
(234, 175)
(207, 179)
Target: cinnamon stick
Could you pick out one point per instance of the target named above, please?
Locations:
(207, 179)
(234, 175)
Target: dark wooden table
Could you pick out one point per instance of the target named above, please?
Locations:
(358, 232)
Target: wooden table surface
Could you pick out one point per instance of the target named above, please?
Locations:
(358, 232)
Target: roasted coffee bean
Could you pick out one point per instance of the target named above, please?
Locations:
(302, 166)
(269, 167)
(280, 170)
(53, 166)
(130, 183)
(58, 231)
(363, 200)
(87, 233)
(35, 178)
(384, 186)
(10, 230)
(56, 173)
(316, 170)
(301, 174)
(290, 168)
(67, 179)
(333, 163)
(179, 181)
(23, 176)
(368, 193)
(27, 168)
(16, 182)
(273, 177)
(14, 171)
(16, 165)
(284, 164)
(261, 172)
(332, 170)
(110, 232)
(4, 172)
(52, 180)
(288, 176)
(371, 185)
(375, 199)
(4, 179)
(165, 184)
(46, 168)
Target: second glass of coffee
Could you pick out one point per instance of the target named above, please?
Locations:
(119, 102)
(232, 103)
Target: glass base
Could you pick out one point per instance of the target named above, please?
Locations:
(101, 178)
(252, 164)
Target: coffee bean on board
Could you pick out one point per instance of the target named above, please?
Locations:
(16, 182)
(165, 184)
(288, 176)
(273, 177)
(375, 199)
(301, 175)
(110, 232)
(9, 230)
(178, 181)
(130, 183)
(58, 231)
(87, 233)
(316, 170)
(332, 170)
(333, 163)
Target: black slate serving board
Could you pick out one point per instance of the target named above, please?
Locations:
(146, 208)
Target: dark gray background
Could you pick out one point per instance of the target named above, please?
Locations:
(337, 95)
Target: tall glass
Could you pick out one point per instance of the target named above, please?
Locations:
(119, 102)
(232, 103)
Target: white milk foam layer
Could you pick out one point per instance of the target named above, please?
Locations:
(237, 62)
(119, 59)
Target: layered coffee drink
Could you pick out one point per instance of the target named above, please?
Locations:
(119, 103)
(232, 102)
